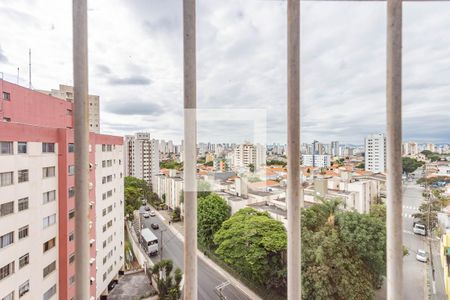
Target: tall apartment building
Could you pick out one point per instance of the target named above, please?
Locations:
(375, 153)
(316, 160)
(246, 154)
(37, 207)
(142, 157)
(410, 148)
(170, 186)
(65, 92)
(334, 148)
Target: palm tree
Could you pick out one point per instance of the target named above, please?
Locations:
(330, 207)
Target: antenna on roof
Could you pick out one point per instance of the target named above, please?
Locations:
(18, 72)
(29, 68)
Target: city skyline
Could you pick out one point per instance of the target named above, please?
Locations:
(241, 63)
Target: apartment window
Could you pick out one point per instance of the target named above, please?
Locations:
(104, 276)
(104, 196)
(24, 260)
(49, 220)
(72, 280)
(6, 178)
(7, 270)
(109, 193)
(103, 180)
(6, 148)
(71, 170)
(10, 296)
(48, 172)
(6, 96)
(49, 196)
(48, 147)
(22, 204)
(6, 239)
(6, 119)
(103, 163)
(49, 269)
(71, 147)
(6, 208)
(103, 147)
(22, 175)
(71, 213)
(21, 147)
(71, 236)
(50, 293)
(24, 288)
(104, 212)
(49, 244)
(71, 192)
(104, 244)
(71, 258)
(23, 232)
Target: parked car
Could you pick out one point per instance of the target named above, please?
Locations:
(422, 255)
(419, 229)
(146, 215)
(154, 226)
(147, 208)
(152, 213)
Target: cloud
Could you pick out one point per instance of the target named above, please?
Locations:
(103, 70)
(3, 57)
(134, 107)
(131, 80)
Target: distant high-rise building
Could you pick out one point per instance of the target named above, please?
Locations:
(410, 148)
(316, 160)
(247, 154)
(334, 148)
(375, 153)
(142, 157)
(430, 147)
(65, 92)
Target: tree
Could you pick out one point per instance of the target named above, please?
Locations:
(171, 164)
(168, 285)
(343, 253)
(254, 244)
(213, 210)
(275, 162)
(135, 191)
(251, 167)
(360, 166)
(410, 164)
(209, 163)
(176, 215)
(203, 189)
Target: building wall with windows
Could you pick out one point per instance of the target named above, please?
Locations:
(375, 153)
(27, 219)
(42, 123)
(316, 160)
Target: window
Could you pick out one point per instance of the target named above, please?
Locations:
(71, 258)
(48, 147)
(21, 147)
(104, 164)
(23, 232)
(6, 208)
(104, 212)
(69, 112)
(49, 269)
(49, 244)
(7, 239)
(24, 288)
(71, 170)
(50, 293)
(49, 196)
(103, 148)
(6, 148)
(72, 280)
(22, 204)
(71, 192)
(24, 260)
(6, 96)
(10, 296)
(48, 172)
(6, 119)
(7, 270)
(6, 178)
(23, 175)
(71, 213)
(71, 236)
(71, 147)
(48, 221)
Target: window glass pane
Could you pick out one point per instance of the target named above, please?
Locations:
(22, 147)
(23, 204)
(22, 176)
(6, 208)
(6, 148)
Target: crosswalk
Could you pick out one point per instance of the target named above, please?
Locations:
(411, 207)
(409, 216)
(410, 210)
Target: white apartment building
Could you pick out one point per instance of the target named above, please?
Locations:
(375, 153)
(316, 160)
(65, 92)
(28, 221)
(246, 154)
(109, 210)
(170, 187)
(410, 148)
(142, 157)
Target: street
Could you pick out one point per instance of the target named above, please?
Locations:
(172, 248)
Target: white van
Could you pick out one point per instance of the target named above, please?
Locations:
(419, 229)
(149, 242)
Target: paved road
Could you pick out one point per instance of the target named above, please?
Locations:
(208, 278)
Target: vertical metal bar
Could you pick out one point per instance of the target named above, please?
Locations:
(80, 80)
(394, 148)
(293, 128)
(190, 151)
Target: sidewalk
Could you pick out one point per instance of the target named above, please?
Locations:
(439, 274)
(178, 230)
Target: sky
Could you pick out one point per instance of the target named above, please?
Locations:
(136, 66)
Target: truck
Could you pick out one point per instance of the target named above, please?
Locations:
(149, 242)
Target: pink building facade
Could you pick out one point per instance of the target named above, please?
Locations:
(44, 124)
